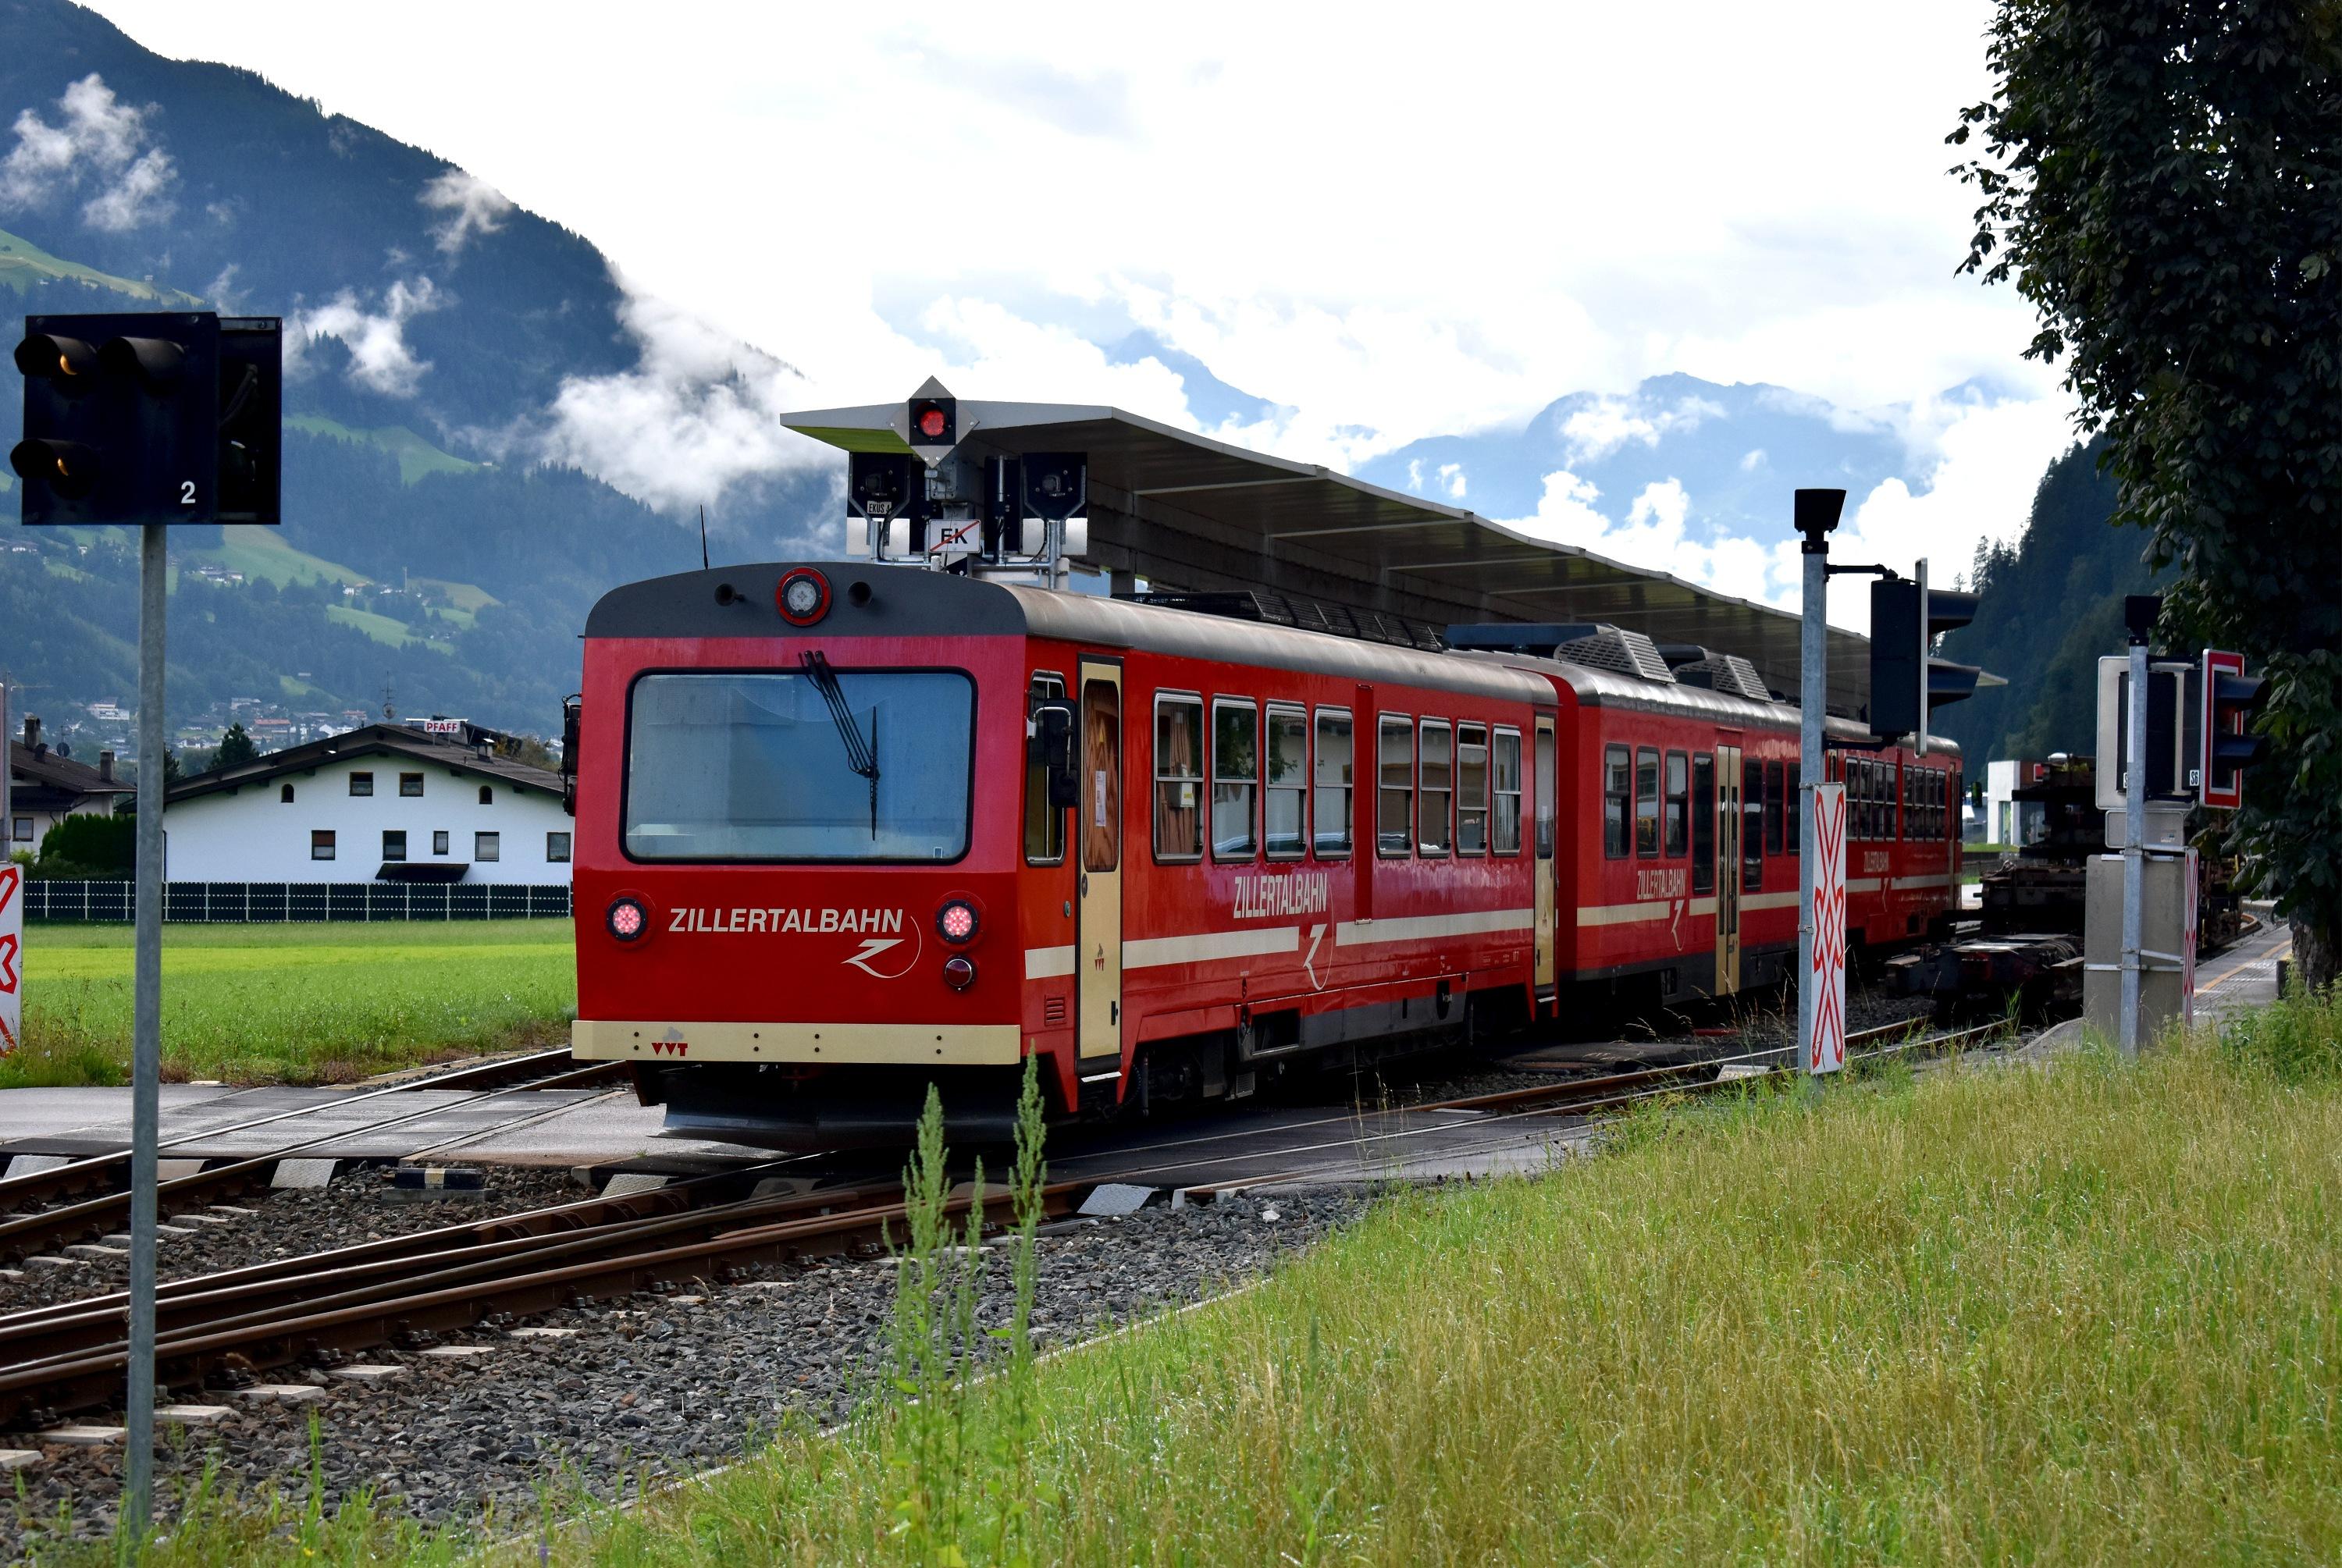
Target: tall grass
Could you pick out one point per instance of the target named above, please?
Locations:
(293, 1003)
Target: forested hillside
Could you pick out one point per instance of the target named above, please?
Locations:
(2050, 607)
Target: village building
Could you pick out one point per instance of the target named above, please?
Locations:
(46, 786)
(384, 802)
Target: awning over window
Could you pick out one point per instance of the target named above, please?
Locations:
(422, 870)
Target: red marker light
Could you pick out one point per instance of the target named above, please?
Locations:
(629, 919)
(955, 921)
(931, 423)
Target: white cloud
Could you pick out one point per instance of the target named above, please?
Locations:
(380, 358)
(1602, 427)
(472, 207)
(1753, 460)
(1656, 533)
(1451, 479)
(98, 142)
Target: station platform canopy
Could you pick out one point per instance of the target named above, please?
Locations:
(1188, 514)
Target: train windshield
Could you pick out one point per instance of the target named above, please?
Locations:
(772, 766)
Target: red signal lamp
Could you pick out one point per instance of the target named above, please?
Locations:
(955, 922)
(627, 919)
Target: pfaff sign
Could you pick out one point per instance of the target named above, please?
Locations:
(12, 955)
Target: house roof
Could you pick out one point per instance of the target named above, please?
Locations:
(46, 767)
(1183, 510)
(374, 740)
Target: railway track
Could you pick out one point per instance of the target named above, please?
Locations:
(71, 1355)
(47, 1209)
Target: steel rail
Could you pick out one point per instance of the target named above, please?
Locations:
(458, 1275)
(23, 1233)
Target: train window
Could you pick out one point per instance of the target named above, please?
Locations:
(1044, 825)
(1235, 780)
(1101, 801)
(1394, 797)
(1617, 792)
(1677, 823)
(1776, 807)
(1284, 801)
(1894, 779)
(1646, 802)
(1333, 781)
(1504, 776)
(1752, 826)
(1548, 787)
(783, 765)
(1434, 832)
(1178, 778)
(1703, 823)
(1471, 789)
(1858, 792)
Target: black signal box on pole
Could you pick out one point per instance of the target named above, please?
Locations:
(150, 417)
(1907, 681)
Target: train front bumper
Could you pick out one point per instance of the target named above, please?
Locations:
(895, 1044)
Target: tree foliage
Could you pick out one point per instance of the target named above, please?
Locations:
(2159, 178)
(236, 748)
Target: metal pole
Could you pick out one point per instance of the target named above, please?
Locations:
(1817, 515)
(146, 1050)
(2134, 847)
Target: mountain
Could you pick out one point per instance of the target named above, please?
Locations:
(434, 330)
(2049, 607)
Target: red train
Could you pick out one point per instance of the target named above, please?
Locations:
(844, 830)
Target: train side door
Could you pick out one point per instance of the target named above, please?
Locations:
(1546, 794)
(1098, 928)
(1729, 825)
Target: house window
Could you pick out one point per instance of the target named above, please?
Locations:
(361, 783)
(1505, 773)
(557, 848)
(1703, 823)
(1395, 804)
(410, 784)
(321, 844)
(487, 795)
(1434, 833)
(1285, 798)
(1333, 781)
(1471, 789)
(1647, 803)
(439, 842)
(23, 830)
(1044, 825)
(393, 844)
(1235, 776)
(483, 847)
(1676, 824)
(1617, 792)
(1178, 777)
(285, 794)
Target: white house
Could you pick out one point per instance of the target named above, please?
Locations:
(380, 804)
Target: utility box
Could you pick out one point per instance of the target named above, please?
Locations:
(2167, 989)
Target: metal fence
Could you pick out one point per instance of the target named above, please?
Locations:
(272, 903)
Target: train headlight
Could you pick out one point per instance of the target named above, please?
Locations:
(955, 921)
(959, 972)
(803, 596)
(627, 919)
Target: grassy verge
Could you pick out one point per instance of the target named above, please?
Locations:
(298, 1004)
(2087, 1314)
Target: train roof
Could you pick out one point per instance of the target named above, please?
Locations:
(912, 601)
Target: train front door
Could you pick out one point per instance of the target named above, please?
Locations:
(1729, 825)
(1098, 942)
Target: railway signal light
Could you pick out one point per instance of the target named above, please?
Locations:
(931, 423)
(2226, 702)
(1907, 682)
(149, 417)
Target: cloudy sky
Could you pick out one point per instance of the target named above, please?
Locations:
(1386, 224)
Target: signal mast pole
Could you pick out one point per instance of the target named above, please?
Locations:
(1817, 518)
(146, 1034)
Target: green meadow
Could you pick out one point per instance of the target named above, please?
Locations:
(293, 1003)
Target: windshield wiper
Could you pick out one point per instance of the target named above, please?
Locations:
(860, 755)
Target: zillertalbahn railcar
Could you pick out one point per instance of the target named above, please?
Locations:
(844, 830)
